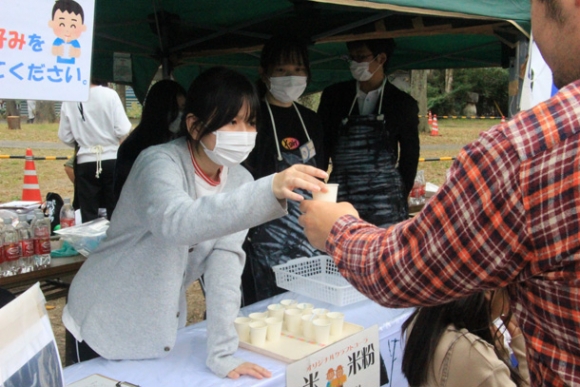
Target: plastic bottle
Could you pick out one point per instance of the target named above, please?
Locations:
(41, 232)
(67, 214)
(12, 256)
(26, 244)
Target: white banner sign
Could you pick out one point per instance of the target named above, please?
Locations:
(28, 352)
(353, 361)
(538, 85)
(45, 49)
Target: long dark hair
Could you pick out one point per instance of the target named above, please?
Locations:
(428, 325)
(216, 97)
(159, 110)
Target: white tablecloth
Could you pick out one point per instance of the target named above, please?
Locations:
(185, 364)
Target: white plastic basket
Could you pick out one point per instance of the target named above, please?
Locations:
(318, 278)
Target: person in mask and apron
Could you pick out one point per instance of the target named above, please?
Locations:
(160, 122)
(371, 135)
(289, 134)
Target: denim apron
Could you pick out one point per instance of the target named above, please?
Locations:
(364, 166)
(282, 239)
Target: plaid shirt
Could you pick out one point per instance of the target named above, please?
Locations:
(507, 215)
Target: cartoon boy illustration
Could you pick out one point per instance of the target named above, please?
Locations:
(329, 377)
(67, 24)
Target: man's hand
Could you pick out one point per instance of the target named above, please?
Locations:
(251, 369)
(318, 217)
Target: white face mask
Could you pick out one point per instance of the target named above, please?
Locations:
(287, 89)
(360, 71)
(174, 125)
(231, 148)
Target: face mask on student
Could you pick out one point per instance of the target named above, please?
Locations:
(287, 89)
(360, 71)
(231, 148)
(174, 125)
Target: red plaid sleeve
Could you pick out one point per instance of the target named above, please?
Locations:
(509, 214)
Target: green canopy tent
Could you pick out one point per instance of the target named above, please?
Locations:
(187, 37)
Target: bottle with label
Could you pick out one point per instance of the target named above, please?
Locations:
(67, 214)
(41, 232)
(12, 255)
(26, 243)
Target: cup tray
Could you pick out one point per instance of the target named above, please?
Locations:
(291, 347)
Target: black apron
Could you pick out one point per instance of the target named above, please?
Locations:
(364, 166)
(279, 240)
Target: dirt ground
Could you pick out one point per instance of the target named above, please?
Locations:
(195, 311)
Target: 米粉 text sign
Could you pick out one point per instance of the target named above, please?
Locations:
(46, 49)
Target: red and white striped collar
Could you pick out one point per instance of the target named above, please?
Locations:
(199, 171)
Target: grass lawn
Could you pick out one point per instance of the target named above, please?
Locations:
(454, 134)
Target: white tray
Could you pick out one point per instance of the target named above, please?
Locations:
(318, 278)
(290, 348)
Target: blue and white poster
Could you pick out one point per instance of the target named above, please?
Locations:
(45, 49)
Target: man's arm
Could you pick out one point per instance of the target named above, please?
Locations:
(409, 146)
(469, 237)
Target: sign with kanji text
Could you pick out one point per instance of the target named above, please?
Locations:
(46, 49)
(351, 362)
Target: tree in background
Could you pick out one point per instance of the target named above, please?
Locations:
(491, 84)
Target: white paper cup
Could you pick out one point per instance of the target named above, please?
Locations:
(320, 312)
(336, 323)
(292, 319)
(242, 325)
(258, 316)
(274, 328)
(276, 310)
(305, 307)
(321, 330)
(329, 196)
(288, 303)
(307, 327)
(258, 331)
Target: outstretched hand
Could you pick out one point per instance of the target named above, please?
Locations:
(251, 369)
(318, 217)
(298, 176)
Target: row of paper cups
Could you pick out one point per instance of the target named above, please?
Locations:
(300, 319)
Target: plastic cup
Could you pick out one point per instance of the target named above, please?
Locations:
(258, 331)
(329, 196)
(242, 325)
(305, 307)
(276, 310)
(274, 328)
(288, 303)
(292, 319)
(320, 312)
(258, 316)
(307, 327)
(321, 330)
(336, 323)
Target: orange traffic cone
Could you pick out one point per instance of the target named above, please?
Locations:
(430, 119)
(435, 126)
(30, 189)
(502, 119)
